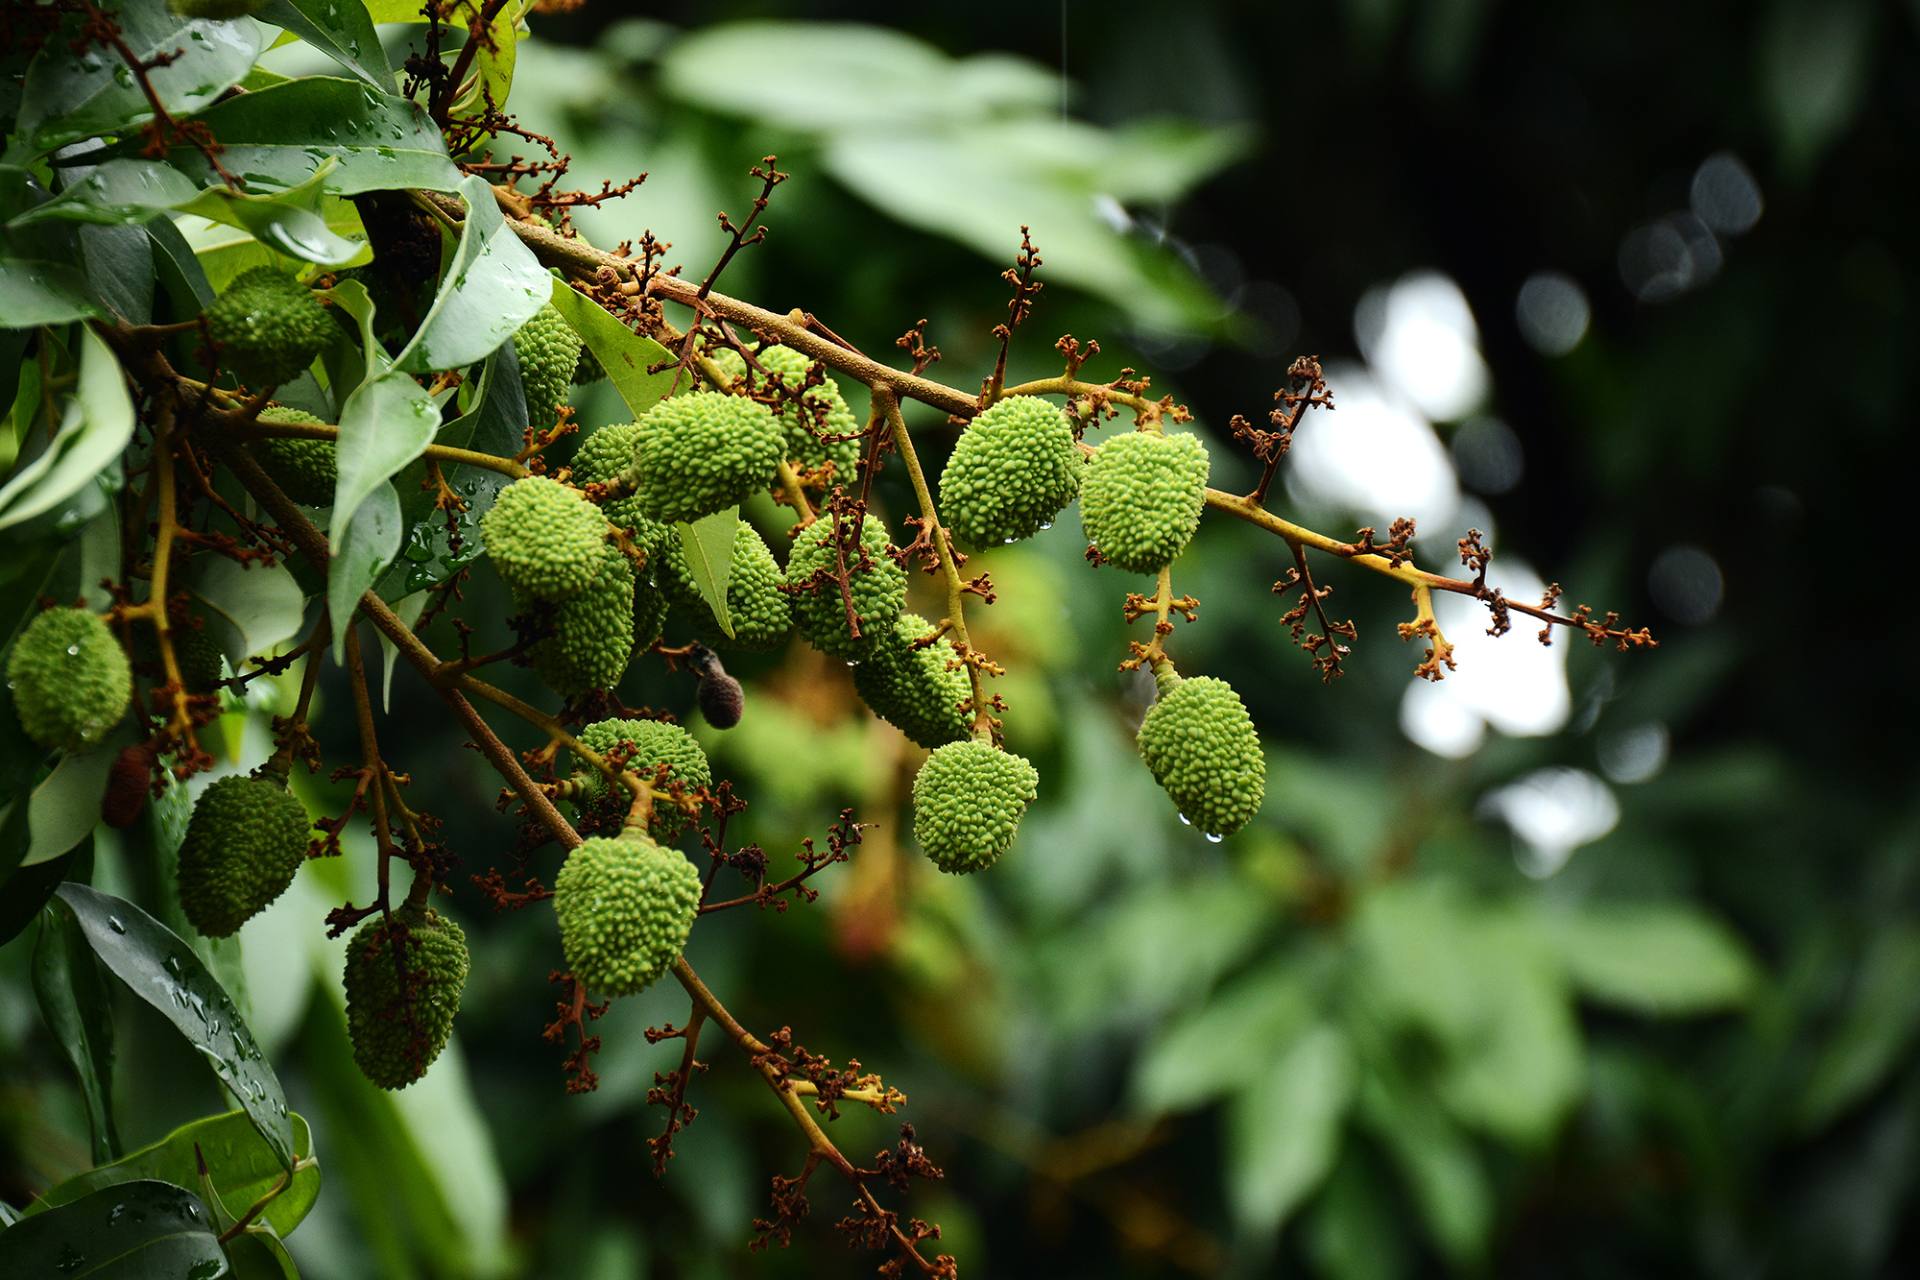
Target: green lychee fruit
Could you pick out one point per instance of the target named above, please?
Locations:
(70, 678)
(822, 410)
(876, 585)
(592, 638)
(703, 452)
(548, 351)
(918, 691)
(544, 539)
(626, 907)
(305, 470)
(1201, 747)
(1142, 498)
(268, 326)
(650, 743)
(1011, 472)
(246, 839)
(967, 802)
(400, 1011)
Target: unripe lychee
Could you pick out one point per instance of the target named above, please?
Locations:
(967, 802)
(918, 691)
(70, 679)
(592, 638)
(876, 585)
(1142, 498)
(649, 743)
(626, 907)
(703, 452)
(822, 410)
(1011, 472)
(268, 326)
(305, 470)
(544, 539)
(1201, 747)
(755, 604)
(400, 1011)
(246, 839)
(548, 351)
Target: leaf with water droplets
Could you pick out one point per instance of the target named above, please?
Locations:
(493, 286)
(137, 1229)
(76, 1003)
(94, 428)
(341, 29)
(361, 553)
(241, 1166)
(164, 971)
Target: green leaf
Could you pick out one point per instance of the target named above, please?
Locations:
(94, 430)
(1223, 1044)
(252, 607)
(1654, 958)
(624, 354)
(34, 293)
(259, 1255)
(116, 191)
(708, 543)
(291, 221)
(117, 264)
(276, 137)
(184, 279)
(242, 1167)
(1873, 1033)
(1283, 1131)
(136, 1231)
(387, 422)
(26, 889)
(70, 95)
(163, 970)
(66, 805)
(408, 610)
(492, 64)
(1442, 1171)
(75, 1002)
(493, 286)
(341, 29)
(825, 76)
(361, 555)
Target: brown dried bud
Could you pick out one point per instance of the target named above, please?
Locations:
(721, 699)
(127, 783)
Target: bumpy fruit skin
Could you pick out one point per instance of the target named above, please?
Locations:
(1201, 747)
(913, 689)
(703, 452)
(70, 678)
(588, 369)
(245, 840)
(604, 458)
(804, 446)
(397, 1032)
(1012, 471)
(625, 907)
(1142, 498)
(592, 638)
(879, 590)
(548, 351)
(652, 743)
(268, 326)
(305, 470)
(544, 539)
(967, 802)
(755, 604)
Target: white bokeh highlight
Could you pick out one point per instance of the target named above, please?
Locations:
(1419, 336)
(1552, 812)
(1374, 457)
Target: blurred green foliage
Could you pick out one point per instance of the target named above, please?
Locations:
(1381, 1032)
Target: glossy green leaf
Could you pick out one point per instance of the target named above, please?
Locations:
(1654, 958)
(361, 553)
(96, 426)
(624, 354)
(291, 221)
(242, 1167)
(75, 1002)
(276, 137)
(181, 274)
(164, 971)
(33, 293)
(1283, 1131)
(66, 804)
(1875, 1032)
(708, 543)
(341, 29)
(73, 94)
(384, 425)
(135, 1231)
(259, 1255)
(117, 264)
(493, 286)
(253, 608)
(116, 191)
